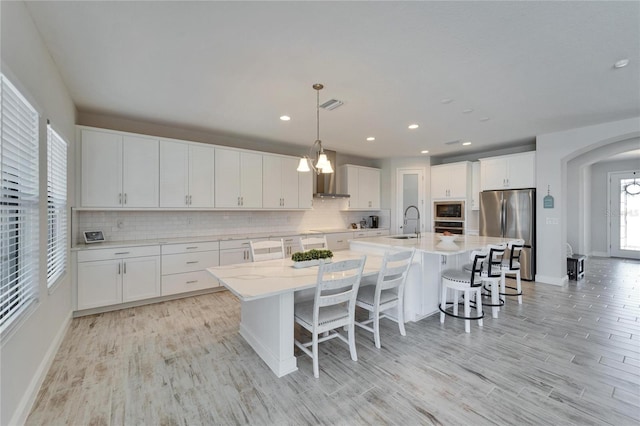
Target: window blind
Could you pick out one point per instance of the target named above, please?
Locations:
(18, 204)
(56, 206)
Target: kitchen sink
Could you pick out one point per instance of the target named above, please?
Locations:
(403, 237)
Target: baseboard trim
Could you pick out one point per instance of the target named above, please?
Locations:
(29, 397)
(552, 280)
(600, 254)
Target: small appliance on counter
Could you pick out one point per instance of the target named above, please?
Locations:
(374, 221)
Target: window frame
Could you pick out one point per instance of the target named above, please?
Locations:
(57, 215)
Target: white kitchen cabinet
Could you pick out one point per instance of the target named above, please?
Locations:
(234, 251)
(238, 179)
(186, 174)
(363, 184)
(339, 240)
(184, 267)
(508, 171)
(450, 180)
(291, 244)
(112, 276)
(119, 170)
(279, 182)
(305, 190)
(475, 185)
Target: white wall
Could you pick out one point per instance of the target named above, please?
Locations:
(554, 151)
(599, 201)
(26, 352)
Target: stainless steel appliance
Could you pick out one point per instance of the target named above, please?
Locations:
(440, 226)
(374, 221)
(512, 214)
(448, 210)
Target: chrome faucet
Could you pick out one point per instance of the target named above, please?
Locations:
(417, 219)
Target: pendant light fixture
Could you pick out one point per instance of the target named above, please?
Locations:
(322, 164)
(633, 188)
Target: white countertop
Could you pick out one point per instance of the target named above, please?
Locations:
(256, 280)
(429, 243)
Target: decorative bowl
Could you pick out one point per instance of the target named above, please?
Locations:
(447, 238)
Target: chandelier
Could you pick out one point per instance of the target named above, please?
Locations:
(316, 152)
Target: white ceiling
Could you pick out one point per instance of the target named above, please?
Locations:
(235, 67)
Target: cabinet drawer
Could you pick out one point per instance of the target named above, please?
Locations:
(117, 253)
(189, 262)
(190, 281)
(233, 244)
(190, 247)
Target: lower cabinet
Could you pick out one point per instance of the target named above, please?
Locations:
(234, 251)
(184, 267)
(112, 276)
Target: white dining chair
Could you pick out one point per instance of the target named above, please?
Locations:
(332, 308)
(313, 243)
(266, 250)
(511, 267)
(385, 291)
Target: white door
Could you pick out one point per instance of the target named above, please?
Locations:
(174, 174)
(101, 169)
(410, 192)
(522, 171)
(99, 283)
(140, 172)
(305, 190)
(234, 256)
(251, 180)
(140, 278)
(369, 188)
(624, 209)
(201, 176)
(289, 182)
(493, 174)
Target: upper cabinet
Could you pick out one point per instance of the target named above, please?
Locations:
(508, 171)
(119, 170)
(305, 190)
(451, 180)
(363, 184)
(238, 182)
(475, 185)
(186, 174)
(279, 182)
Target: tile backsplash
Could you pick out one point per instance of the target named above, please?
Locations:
(143, 225)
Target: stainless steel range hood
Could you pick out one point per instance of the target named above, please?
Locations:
(326, 183)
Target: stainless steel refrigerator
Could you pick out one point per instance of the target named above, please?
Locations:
(512, 214)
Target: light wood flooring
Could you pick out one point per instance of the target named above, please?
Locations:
(567, 355)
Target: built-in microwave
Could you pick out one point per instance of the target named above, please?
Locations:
(448, 210)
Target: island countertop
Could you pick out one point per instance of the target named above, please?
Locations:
(429, 242)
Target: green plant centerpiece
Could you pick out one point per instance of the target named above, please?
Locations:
(310, 257)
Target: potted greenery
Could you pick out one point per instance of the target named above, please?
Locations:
(304, 259)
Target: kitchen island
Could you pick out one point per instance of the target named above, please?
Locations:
(422, 291)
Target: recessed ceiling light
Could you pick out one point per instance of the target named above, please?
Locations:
(485, 119)
(466, 143)
(446, 101)
(413, 126)
(467, 111)
(621, 63)
(371, 138)
(424, 151)
(285, 118)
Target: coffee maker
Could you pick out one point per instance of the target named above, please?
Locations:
(374, 221)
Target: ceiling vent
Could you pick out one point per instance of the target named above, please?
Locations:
(331, 104)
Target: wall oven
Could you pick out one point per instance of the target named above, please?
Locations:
(440, 226)
(448, 211)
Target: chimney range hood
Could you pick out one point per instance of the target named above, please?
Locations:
(326, 182)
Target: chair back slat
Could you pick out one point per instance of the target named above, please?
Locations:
(477, 257)
(516, 247)
(494, 263)
(313, 243)
(266, 250)
(338, 282)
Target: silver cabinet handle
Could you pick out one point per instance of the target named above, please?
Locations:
(125, 267)
(191, 282)
(121, 253)
(242, 201)
(125, 198)
(119, 268)
(186, 200)
(190, 199)
(191, 248)
(192, 262)
(120, 198)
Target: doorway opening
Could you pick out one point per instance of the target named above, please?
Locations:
(624, 214)
(410, 183)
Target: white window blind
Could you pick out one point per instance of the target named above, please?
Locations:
(56, 206)
(18, 204)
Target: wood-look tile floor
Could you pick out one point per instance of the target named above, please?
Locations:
(567, 355)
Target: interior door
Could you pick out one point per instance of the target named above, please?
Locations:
(410, 190)
(624, 216)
